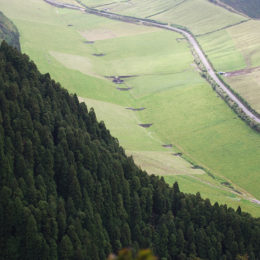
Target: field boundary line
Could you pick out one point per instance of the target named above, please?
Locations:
(223, 28)
(163, 11)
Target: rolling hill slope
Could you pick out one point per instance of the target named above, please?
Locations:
(186, 13)
(8, 32)
(166, 83)
(68, 191)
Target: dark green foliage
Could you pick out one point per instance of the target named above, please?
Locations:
(68, 191)
(9, 33)
(250, 8)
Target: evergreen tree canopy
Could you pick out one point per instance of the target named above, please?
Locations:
(68, 191)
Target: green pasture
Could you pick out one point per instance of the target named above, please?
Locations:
(205, 129)
(183, 12)
(144, 54)
(222, 52)
(96, 3)
(229, 49)
(74, 66)
(234, 49)
(183, 109)
(151, 161)
(192, 184)
(248, 86)
(246, 38)
(146, 8)
(200, 16)
(74, 2)
(123, 124)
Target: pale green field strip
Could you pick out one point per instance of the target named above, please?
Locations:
(247, 40)
(94, 3)
(103, 90)
(231, 49)
(234, 49)
(145, 54)
(187, 13)
(189, 184)
(73, 2)
(127, 130)
(144, 8)
(248, 86)
(163, 163)
(210, 134)
(222, 52)
(190, 14)
(167, 85)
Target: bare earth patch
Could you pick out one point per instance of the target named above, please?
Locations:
(167, 145)
(123, 89)
(136, 109)
(145, 125)
(119, 79)
(98, 54)
(89, 42)
(241, 72)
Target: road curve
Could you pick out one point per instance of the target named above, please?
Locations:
(186, 34)
(211, 71)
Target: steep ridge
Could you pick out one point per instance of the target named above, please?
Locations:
(8, 32)
(67, 190)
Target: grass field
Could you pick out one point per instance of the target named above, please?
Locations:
(230, 49)
(248, 86)
(233, 49)
(183, 109)
(183, 12)
(189, 14)
(191, 184)
(222, 52)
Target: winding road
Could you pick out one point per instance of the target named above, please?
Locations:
(186, 34)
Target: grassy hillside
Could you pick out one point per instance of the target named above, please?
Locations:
(165, 82)
(237, 50)
(250, 8)
(187, 13)
(8, 32)
(230, 42)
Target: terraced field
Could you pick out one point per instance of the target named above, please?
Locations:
(83, 52)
